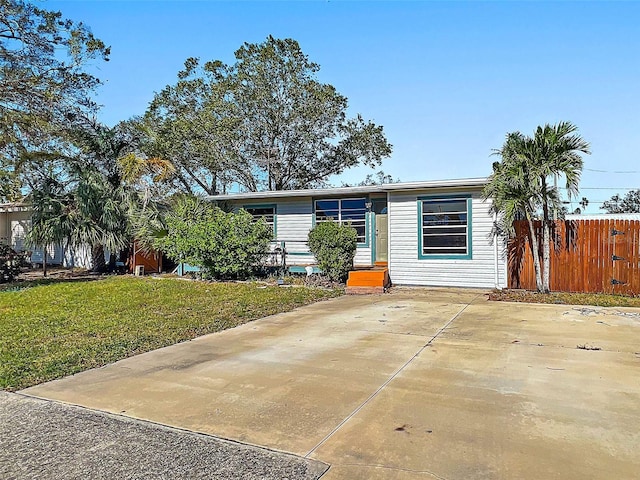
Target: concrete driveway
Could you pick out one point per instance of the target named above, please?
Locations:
(414, 384)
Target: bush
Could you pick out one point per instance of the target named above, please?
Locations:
(9, 264)
(224, 245)
(334, 246)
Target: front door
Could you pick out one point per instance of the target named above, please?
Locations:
(382, 238)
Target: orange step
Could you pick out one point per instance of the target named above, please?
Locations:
(378, 277)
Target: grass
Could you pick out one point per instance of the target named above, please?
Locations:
(563, 298)
(55, 329)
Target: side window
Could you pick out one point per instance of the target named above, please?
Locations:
(352, 211)
(444, 227)
(266, 212)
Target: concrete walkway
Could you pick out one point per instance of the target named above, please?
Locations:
(409, 385)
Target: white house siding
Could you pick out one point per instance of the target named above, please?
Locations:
(406, 268)
(14, 226)
(363, 256)
(294, 220)
(80, 257)
(55, 255)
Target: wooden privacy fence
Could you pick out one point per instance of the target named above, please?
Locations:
(586, 256)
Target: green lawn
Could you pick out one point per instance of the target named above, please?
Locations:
(57, 329)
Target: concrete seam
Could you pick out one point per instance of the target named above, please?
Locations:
(394, 375)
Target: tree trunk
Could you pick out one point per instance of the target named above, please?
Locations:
(44, 261)
(534, 251)
(545, 239)
(546, 256)
(97, 259)
(112, 262)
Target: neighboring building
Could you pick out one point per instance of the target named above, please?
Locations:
(436, 233)
(15, 221)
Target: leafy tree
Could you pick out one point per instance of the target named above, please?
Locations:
(334, 246)
(521, 185)
(192, 125)
(294, 129)
(630, 203)
(43, 85)
(10, 185)
(225, 245)
(264, 122)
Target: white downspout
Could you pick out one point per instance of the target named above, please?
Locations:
(388, 235)
(496, 274)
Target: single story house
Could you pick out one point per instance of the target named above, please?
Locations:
(15, 221)
(432, 233)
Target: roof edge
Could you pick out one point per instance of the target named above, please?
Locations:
(387, 187)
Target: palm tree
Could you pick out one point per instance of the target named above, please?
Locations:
(105, 195)
(555, 152)
(50, 221)
(101, 196)
(511, 189)
(521, 184)
(88, 211)
(89, 207)
(100, 217)
(145, 179)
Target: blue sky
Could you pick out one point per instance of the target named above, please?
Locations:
(447, 80)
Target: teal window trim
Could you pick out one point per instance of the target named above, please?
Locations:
(266, 205)
(452, 256)
(365, 244)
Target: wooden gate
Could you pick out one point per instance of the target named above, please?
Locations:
(586, 256)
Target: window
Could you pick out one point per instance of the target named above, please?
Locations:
(445, 227)
(351, 211)
(268, 212)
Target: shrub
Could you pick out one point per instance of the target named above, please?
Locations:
(334, 246)
(224, 245)
(9, 264)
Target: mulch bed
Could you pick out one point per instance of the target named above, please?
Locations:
(565, 298)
